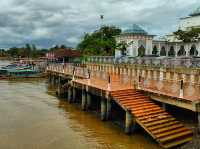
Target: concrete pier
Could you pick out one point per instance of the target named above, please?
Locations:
(88, 100)
(199, 122)
(73, 94)
(128, 122)
(69, 97)
(83, 100)
(108, 108)
(103, 109)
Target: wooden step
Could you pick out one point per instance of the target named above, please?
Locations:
(145, 110)
(155, 119)
(171, 132)
(162, 130)
(149, 113)
(146, 103)
(177, 142)
(159, 122)
(153, 116)
(145, 107)
(134, 102)
(163, 125)
(132, 98)
(171, 137)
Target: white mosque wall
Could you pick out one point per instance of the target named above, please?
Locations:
(187, 23)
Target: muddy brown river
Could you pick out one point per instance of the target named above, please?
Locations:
(32, 117)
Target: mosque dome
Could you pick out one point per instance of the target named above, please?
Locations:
(196, 12)
(135, 29)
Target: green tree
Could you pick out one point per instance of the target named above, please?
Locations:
(191, 35)
(100, 42)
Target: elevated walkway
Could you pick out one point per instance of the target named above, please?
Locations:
(164, 128)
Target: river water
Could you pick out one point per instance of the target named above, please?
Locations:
(32, 117)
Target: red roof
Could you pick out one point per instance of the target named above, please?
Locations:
(59, 53)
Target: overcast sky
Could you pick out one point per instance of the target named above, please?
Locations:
(49, 22)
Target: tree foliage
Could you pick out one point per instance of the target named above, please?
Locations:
(100, 42)
(191, 35)
(27, 51)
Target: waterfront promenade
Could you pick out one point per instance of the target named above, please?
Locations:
(108, 84)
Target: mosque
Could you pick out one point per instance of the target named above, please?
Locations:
(170, 46)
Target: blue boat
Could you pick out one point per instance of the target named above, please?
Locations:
(20, 71)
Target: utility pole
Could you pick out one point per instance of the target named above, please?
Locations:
(101, 17)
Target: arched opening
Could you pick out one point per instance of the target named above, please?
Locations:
(163, 51)
(193, 51)
(155, 50)
(182, 51)
(171, 52)
(141, 51)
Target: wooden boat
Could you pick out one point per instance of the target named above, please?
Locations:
(15, 71)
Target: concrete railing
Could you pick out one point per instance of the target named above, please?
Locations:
(149, 61)
(153, 83)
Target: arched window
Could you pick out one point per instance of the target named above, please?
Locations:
(141, 51)
(182, 51)
(155, 50)
(193, 51)
(163, 51)
(171, 52)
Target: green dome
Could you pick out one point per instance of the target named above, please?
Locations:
(135, 30)
(196, 12)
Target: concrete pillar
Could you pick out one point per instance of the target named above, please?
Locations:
(128, 122)
(83, 100)
(108, 110)
(73, 94)
(181, 89)
(103, 109)
(88, 100)
(164, 106)
(199, 122)
(59, 87)
(69, 94)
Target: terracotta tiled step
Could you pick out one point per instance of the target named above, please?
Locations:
(149, 113)
(171, 132)
(174, 136)
(145, 110)
(124, 94)
(132, 98)
(152, 116)
(144, 107)
(177, 142)
(133, 105)
(163, 125)
(166, 129)
(159, 122)
(155, 119)
(135, 102)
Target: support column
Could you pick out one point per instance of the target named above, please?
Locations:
(108, 109)
(128, 122)
(69, 94)
(103, 109)
(73, 94)
(83, 100)
(59, 88)
(198, 122)
(164, 106)
(88, 100)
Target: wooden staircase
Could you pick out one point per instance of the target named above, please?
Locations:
(165, 129)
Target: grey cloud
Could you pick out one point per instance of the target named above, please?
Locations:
(51, 22)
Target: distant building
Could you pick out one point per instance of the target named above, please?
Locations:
(63, 55)
(168, 46)
(138, 38)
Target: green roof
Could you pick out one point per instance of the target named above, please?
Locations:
(135, 29)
